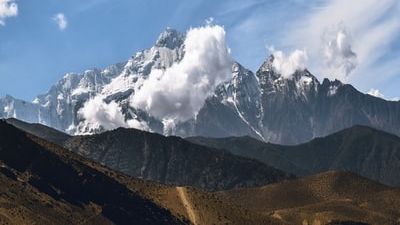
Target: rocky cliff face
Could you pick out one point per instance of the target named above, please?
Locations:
(291, 110)
(264, 105)
(234, 109)
(301, 108)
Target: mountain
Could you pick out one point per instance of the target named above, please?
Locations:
(264, 105)
(234, 109)
(327, 198)
(40, 130)
(172, 160)
(59, 107)
(292, 110)
(299, 109)
(366, 151)
(45, 184)
(249, 147)
(48, 185)
(15, 108)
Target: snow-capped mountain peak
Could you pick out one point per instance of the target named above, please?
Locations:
(267, 65)
(170, 38)
(301, 83)
(265, 105)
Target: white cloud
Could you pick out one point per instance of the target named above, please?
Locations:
(297, 24)
(286, 65)
(337, 52)
(61, 21)
(376, 93)
(8, 8)
(98, 115)
(235, 7)
(178, 93)
(255, 23)
(373, 26)
(172, 95)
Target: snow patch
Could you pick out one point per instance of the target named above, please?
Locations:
(332, 90)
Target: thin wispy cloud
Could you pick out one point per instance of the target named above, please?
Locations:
(337, 51)
(372, 25)
(8, 8)
(354, 41)
(90, 4)
(61, 21)
(232, 7)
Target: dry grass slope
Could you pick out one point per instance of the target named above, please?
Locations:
(323, 198)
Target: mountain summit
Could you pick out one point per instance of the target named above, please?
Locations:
(170, 38)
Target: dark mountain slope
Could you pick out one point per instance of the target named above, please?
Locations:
(173, 160)
(366, 151)
(45, 184)
(50, 186)
(249, 147)
(363, 150)
(326, 198)
(40, 130)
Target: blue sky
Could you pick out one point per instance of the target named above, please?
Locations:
(35, 52)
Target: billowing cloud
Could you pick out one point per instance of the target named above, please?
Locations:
(61, 21)
(376, 93)
(286, 65)
(8, 8)
(98, 114)
(178, 93)
(337, 51)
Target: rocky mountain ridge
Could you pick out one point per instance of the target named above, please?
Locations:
(264, 105)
